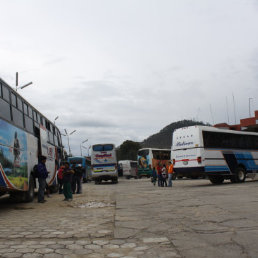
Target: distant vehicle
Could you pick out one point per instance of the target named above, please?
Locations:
(104, 163)
(79, 160)
(148, 158)
(215, 153)
(25, 134)
(129, 168)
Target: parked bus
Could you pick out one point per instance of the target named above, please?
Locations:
(85, 164)
(215, 153)
(25, 134)
(104, 163)
(129, 168)
(149, 157)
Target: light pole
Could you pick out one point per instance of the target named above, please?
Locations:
(21, 87)
(55, 119)
(250, 107)
(87, 149)
(82, 146)
(67, 134)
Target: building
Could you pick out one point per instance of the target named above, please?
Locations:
(246, 124)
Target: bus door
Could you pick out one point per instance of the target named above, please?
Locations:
(48, 151)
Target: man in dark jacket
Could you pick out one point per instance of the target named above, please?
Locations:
(42, 175)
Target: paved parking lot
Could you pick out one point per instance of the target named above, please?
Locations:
(136, 219)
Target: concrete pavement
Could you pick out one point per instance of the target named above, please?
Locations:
(135, 219)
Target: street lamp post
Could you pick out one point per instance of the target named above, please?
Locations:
(21, 87)
(67, 134)
(55, 119)
(82, 146)
(250, 107)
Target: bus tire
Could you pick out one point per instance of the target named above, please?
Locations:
(114, 180)
(216, 180)
(239, 175)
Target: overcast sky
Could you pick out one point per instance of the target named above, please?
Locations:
(119, 70)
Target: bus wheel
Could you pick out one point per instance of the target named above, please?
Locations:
(114, 181)
(216, 180)
(239, 176)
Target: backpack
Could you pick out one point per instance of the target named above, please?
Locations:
(35, 171)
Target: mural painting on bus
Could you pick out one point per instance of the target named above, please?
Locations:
(143, 161)
(13, 156)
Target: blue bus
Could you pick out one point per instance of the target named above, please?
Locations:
(86, 165)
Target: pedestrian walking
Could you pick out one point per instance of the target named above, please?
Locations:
(170, 173)
(67, 181)
(42, 175)
(154, 176)
(164, 176)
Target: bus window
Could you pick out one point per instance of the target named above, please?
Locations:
(108, 147)
(29, 124)
(5, 110)
(14, 100)
(6, 93)
(17, 117)
(1, 90)
(143, 152)
(19, 103)
(98, 147)
(30, 112)
(35, 117)
(25, 108)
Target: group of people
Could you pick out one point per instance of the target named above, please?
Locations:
(162, 173)
(69, 180)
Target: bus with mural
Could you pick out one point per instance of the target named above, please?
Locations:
(217, 154)
(25, 134)
(104, 163)
(148, 158)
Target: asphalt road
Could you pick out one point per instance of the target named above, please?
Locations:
(136, 219)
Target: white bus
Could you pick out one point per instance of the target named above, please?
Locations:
(129, 168)
(215, 153)
(25, 134)
(104, 163)
(150, 157)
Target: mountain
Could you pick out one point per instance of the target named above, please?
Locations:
(163, 139)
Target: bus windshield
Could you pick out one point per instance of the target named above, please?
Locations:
(103, 147)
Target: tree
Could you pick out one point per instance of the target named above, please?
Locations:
(128, 150)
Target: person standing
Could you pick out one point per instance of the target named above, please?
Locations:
(42, 175)
(67, 181)
(60, 179)
(159, 175)
(170, 173)
(154, 176)
(78, 179)
(164, 176)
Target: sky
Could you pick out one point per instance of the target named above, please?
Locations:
(116, 70)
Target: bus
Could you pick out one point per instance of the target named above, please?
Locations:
(85, 163)
(104, 163)
(25, 134)
(217, 154)
(129, 168)
(148, 158)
